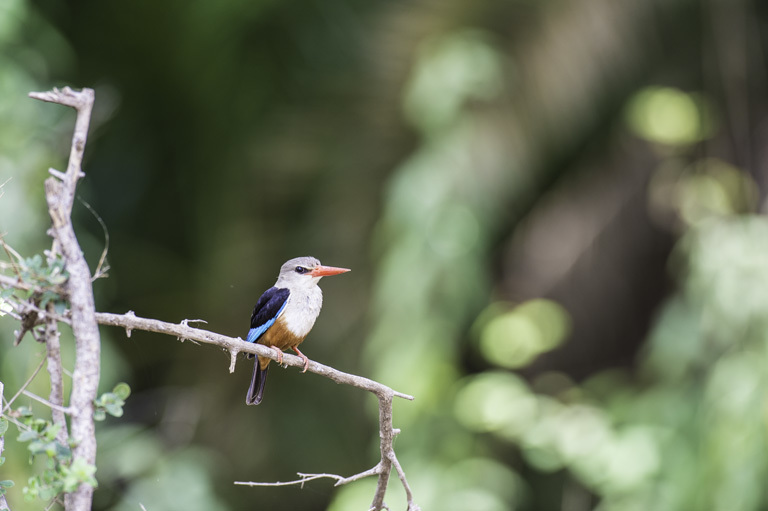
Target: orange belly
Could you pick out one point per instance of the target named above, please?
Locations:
(280, 337)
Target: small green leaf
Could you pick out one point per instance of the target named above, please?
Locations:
(7, 483)
(51, 431)
(105, 398)
(3, 425)
(60, 306)
(79, 472)
(99, 414)
(27, 435)
(63, 452)
(32, 489)
(47, 493)
(34, 262)
(114, 409)
(36, 447)
(24, 411)
(122, 390)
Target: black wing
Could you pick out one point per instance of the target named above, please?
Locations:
(266, 311)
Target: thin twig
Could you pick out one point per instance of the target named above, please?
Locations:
(23, 387)
(408, 492)
(53, 349)
(20, 425)
(2, 185)
(15, 283)
(24, 307)
(55, 500)
(11, 253)
(50, 405)
(101, 267)
(340, 480)
(3, 502)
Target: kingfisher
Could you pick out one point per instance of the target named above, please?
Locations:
(285, 314)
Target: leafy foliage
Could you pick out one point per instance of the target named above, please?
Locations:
(60, 473)
(40, 282)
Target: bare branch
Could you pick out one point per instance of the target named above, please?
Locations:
(386, 435)
(383, 469)
(56, 397)
(47, 403)
(408, 492)
(60, 196)
(11, 254)
(82, 101)
(25, 307)
(54, 501)
(23, 387)
(129, 321)
(340, 480)
(15, 283)
(304, 478)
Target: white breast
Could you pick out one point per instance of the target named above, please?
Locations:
(302, 310)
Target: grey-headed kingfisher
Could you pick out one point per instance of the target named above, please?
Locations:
(285, 314)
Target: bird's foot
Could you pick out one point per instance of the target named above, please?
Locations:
(279, 354)
(303, 357)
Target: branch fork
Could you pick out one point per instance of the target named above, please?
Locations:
(234, 346)
(60, 195)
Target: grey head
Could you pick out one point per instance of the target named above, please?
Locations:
(304, 272)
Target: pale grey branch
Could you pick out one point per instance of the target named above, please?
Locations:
(383, 469)
(60, 195)
(47, 403)
(340, 480)
(53, 350)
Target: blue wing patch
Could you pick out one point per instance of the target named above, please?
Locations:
(266, 311)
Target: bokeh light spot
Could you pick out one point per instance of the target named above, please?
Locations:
(515, 338)
(495, 401)
(667, 116)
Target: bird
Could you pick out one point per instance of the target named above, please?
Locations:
(284, 315)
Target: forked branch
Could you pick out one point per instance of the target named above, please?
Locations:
(234, 346)
(60, 195)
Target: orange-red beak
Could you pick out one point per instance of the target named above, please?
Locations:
(327, 271)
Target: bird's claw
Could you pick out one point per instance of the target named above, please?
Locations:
(303, 357)
(279, 354)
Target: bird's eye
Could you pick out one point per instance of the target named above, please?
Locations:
(301, 270)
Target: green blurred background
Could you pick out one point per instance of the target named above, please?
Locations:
(552, 209)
